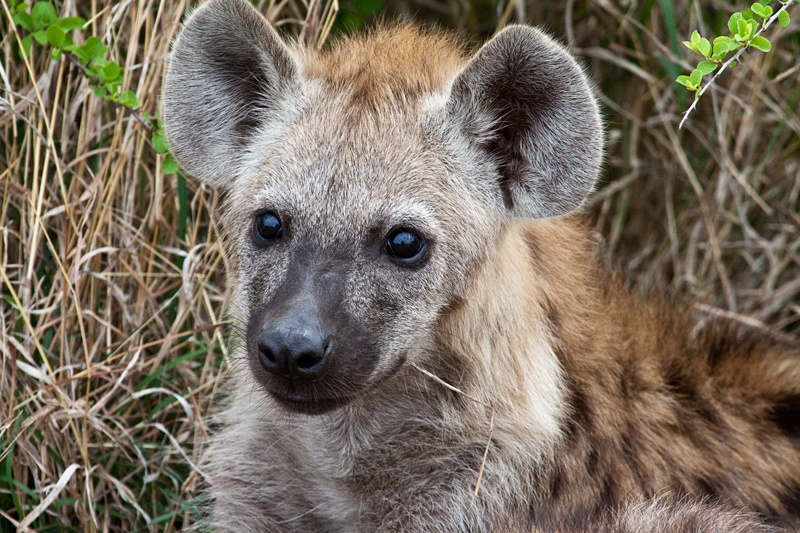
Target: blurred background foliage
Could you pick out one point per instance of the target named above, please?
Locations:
(112, 325)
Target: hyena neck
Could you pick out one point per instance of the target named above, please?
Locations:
(500, 333)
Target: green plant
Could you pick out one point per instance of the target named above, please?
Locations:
(745, 34)
(105, 75)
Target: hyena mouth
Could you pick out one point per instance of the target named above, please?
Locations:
(311, 404)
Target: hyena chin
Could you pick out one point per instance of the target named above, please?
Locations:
(415, 289)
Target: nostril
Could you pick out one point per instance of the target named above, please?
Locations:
(307, 361)
(268, 359)
(267, 354)
(311, 363)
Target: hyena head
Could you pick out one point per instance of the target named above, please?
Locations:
(365, 183)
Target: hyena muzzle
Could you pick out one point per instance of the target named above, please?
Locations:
(422, 309)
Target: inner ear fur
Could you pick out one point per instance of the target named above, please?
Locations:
(525, 101)
(228, 73)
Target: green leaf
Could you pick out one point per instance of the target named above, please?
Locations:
(78, 52)
(690, 46)
(742, 31)
(71, 23)
(706, 67)
(758, 9)
(98, 63)
(56, 53)
(169, 165)
(40, 37)
(721, 39)
(100, 91)
(112, 70)
(733, 23)
(695, 37)
(783, 19)
(752, 29)
(26, 45)
(56, 36)
(761, 43)
(684, 80)
(767, 11)
(160, 142)
(94, 47)
(43, 14)
(696, 76)
(704, 47)
(23, 19)
(128, 98)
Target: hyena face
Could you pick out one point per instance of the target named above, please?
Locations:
(349, 239)
(366, 183)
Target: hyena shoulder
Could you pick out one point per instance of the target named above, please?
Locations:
(428, 341)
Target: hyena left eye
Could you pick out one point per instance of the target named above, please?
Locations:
(267, 228)
(406, 245)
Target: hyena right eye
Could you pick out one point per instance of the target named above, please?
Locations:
(267, 229)
(406, 245)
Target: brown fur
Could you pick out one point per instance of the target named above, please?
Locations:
(387, 64)
(655, 402)
(658, 403)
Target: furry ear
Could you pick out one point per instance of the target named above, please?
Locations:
(229, 72)
(525, 101)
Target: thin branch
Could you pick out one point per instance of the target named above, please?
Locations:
(95, 82)
(770, 20)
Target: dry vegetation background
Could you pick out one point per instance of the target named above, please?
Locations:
(112, 320)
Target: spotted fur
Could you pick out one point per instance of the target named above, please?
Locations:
(607, 411)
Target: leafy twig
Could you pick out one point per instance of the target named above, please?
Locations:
(134, 112)
(104, 75)
(744, 36)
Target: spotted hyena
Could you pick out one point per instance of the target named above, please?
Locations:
(430, 342)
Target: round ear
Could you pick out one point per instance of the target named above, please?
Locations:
(229, 73)
(525, 101)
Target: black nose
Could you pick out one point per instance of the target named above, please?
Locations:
(299, 350)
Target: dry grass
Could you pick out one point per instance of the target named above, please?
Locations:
(112, 273)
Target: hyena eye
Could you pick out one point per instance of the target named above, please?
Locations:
(267, 228)
(406, 245)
